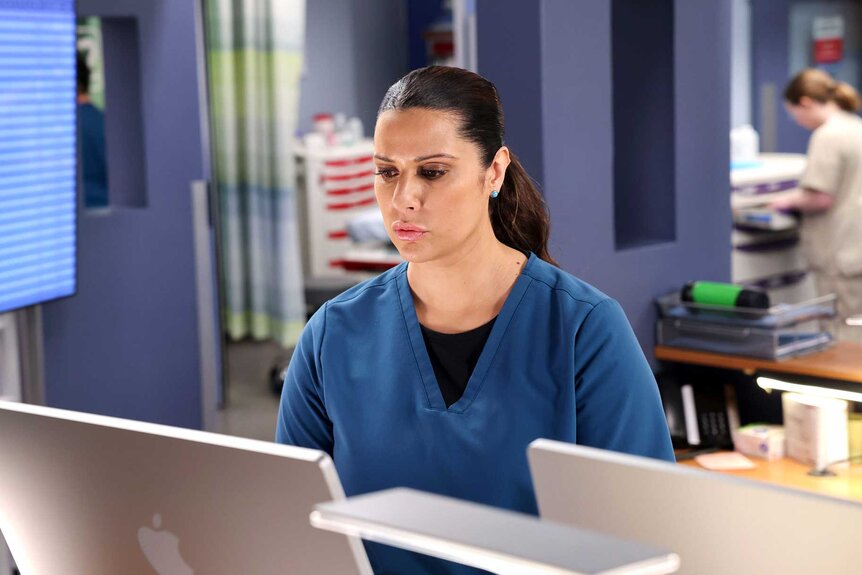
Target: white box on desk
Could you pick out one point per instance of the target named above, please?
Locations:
(815, 429)
(760, 440)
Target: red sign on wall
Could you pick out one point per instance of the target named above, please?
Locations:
(828, 39)
(828, 51)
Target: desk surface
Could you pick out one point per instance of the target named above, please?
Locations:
(842, 361)
(847, 482)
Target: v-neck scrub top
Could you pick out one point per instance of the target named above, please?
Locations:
(561, 362)
(454, 356)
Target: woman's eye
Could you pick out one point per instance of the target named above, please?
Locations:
(430, 174)
(386, 173)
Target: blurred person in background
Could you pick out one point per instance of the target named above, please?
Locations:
(91, 135)
(830, 195)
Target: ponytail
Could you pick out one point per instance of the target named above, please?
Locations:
(519, 215)
(821, 87)
(847, 97)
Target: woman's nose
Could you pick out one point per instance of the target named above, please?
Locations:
(407, 195)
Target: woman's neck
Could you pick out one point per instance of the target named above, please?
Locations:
(467, 289)
(828, 111)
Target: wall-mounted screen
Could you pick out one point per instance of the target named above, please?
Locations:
(37, 151)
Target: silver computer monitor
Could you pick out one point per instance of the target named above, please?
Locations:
(92, 495)
(717, 524)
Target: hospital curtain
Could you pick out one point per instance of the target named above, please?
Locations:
(254, 52)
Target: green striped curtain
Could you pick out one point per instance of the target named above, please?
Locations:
(254, 51)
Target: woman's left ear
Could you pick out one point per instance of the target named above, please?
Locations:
(806, 102)
(497, 169)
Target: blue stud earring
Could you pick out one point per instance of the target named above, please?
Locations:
(495, 193)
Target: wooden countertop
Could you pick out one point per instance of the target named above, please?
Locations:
(846, 484)
(842, 361)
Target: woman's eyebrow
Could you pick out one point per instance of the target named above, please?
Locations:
(440, 155)
(419, 159)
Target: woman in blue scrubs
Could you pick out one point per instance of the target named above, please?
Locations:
(437, 374)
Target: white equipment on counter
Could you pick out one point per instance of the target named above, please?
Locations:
(815, 429)
(765, 243)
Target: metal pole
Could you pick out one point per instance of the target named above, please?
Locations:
(32, 355)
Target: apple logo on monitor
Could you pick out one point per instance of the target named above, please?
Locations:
(162, 549)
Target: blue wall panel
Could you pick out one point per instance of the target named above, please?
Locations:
(509, 55)
(559, 95)
(127, 344)
(642, 50)
(353, 52)
(770, 51)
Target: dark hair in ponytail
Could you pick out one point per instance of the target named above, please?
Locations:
(821, 87)
(847, 97)
(518, 215)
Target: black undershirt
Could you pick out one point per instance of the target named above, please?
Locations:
(454, 357)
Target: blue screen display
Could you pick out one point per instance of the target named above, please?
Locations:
(37, 151)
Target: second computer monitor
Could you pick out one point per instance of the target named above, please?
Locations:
(717, 524)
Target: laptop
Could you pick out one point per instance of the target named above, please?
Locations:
(717, 524)
(88, 494)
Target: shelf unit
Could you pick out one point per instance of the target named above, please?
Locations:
(771, 259)
(336, 184)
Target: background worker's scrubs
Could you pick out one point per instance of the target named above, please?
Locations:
(832, 240)
(561, 362)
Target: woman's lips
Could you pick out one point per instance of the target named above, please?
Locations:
(408, 232)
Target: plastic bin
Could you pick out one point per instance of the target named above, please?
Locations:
(782, 331)
(779, 315)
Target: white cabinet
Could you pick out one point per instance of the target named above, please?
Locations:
(336, 184)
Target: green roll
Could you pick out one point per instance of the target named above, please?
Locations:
(725, 295)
